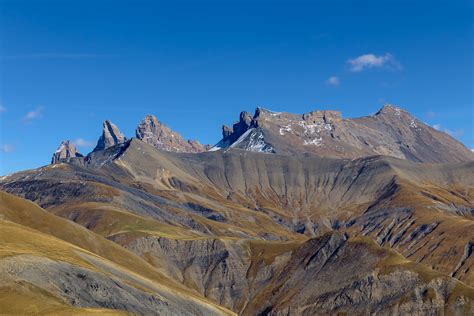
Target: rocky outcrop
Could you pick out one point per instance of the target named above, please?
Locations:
(326, 275)
(111, 136)
(245, 134)
(392, 131)
(66, 150)
(157, 134)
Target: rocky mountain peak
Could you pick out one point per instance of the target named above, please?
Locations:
(155, 133)
(392, 110)
(66, 150)
(392, 131)
(111, 136)
(246, 120)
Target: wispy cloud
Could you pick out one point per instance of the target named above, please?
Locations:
(2, 108)
(57, 56)
(369, 61)
(333, 81)
(33, 114)
(7, 148)
(456, 133)
(81, 142)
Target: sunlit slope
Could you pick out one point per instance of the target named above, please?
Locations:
(134, 190)
(40, 269)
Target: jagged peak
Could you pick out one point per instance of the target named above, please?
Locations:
(150, 117)
(155, 133)
(111, 136)
(66, 149)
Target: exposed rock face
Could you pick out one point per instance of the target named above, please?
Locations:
(64, 151)
(257, 234)
(245, 134)
(62, 268)
(271, 234)
(155, 133)
(391, 131)
(111, 136)
(330, 274)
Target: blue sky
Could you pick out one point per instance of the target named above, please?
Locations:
(65, 66)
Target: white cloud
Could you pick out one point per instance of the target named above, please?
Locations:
(81, 142)
(455, 133)
(32, 115)
(2, 109)
(472, 149)
(6, 148)
(368, 61)
(333, 81)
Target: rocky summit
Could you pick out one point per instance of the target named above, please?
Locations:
(111, 136)
(392, 131)
(157, 134)
(64, 151)
(288, 214)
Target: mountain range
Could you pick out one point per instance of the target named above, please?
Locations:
(287, 214)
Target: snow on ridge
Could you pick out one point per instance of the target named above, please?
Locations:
(286, 128)
(315, 128)
(272, 113)
(257, 144)
(241, 138)
(311, 131)
(215, 148)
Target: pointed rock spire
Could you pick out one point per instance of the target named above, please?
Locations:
(157, 134)
(66, 150)
(111, 136)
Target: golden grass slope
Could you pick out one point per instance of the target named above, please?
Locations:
(29, 234)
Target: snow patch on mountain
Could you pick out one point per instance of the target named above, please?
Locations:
(284, 129)
(257, 142)
(241, 138)
(316, 142)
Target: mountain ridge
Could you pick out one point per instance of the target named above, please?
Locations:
(257, 227)
(391, 131)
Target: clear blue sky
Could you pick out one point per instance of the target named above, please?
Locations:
(65, 66)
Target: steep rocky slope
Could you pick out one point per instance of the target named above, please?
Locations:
(236, 225)
(329, 274)
(391, 131)
(54, 265)
(322, 275)
(65, 150)
(111, 136)
(155, 133)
